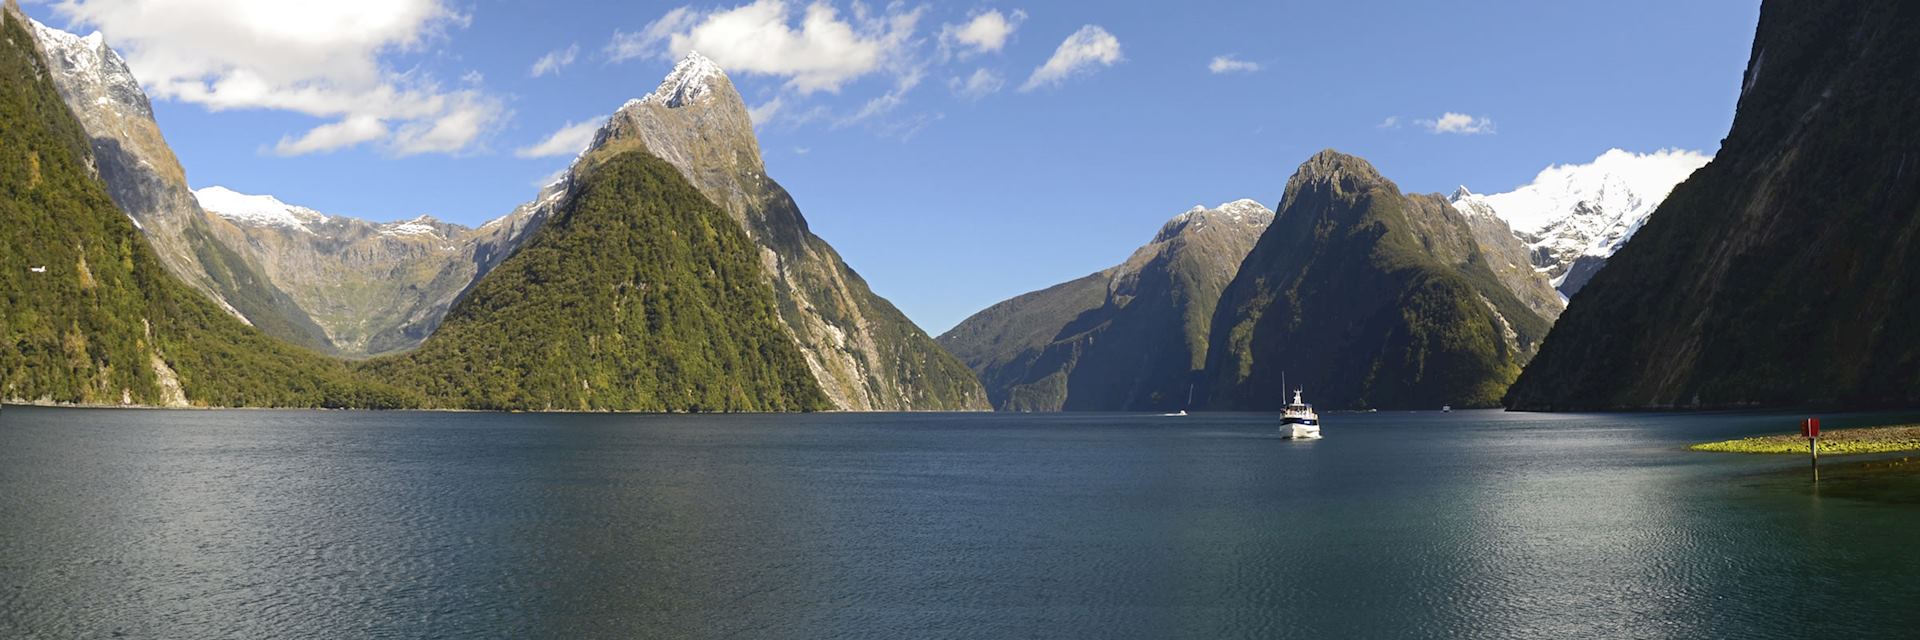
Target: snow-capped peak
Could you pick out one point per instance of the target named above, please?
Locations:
(1626, 186)
(256, 210)
(1588, 210)
(1246, 210)
(1461, 193)
(691, 80)
(85, 64)
(1243, 211)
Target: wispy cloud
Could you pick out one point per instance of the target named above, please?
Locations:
(1392, 122)
(1087, 49)
(1458, 123)
(980, 84)
(765, 112)
(569, 140)
(1230, 64)
(554, 61)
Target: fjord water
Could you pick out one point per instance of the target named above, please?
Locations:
(253, 524)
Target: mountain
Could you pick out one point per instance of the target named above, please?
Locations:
(1784, 272)
(146, 181)
(865, 353)
(88, 314)
(638, 294)
(1573, 217)
(341, 285)
(1129, 338)
(373, 288)
(1512, 261)
(1367, 297)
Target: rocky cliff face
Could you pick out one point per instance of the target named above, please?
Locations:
(1371, 298)
(1786, 271)
(147, 182)
(1512, 261)
(864, 352)
(1129, 338)
(373, 288)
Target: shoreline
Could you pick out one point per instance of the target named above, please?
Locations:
(1840, 442)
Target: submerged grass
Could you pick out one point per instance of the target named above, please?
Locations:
(1837, 442)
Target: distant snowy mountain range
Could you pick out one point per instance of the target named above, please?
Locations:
(1573, 217)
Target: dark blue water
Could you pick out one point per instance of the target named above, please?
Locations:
(250, 524)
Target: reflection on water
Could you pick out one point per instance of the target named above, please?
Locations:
(248, 524)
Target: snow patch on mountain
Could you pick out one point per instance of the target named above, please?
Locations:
(257, 210)
(1242, 212)
(89, 63)
(422, 225)
(1576, 211)
(690, 81)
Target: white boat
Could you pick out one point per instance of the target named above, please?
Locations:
(1298, 421)
(1446, 408)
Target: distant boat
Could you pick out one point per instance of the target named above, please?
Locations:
(1183, 412)
(1446, 408)
(1298, 420)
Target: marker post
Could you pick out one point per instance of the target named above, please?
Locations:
(1810, 429)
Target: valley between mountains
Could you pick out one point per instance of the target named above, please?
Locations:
(666, 271)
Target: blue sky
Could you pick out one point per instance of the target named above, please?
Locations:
(947, 201)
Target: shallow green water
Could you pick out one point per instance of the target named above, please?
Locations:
(252, 524)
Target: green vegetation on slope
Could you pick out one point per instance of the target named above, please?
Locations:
(638, 295)
(1014, 345)
(1366, 298)
(1787, 271)
(1130, 338)
(88, 314)
(864, 353)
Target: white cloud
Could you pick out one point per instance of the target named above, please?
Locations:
(904, 129)
(1089, 47)
(821, 53)
(979, 85)
(569, 140)
(329, 137)
(1458, 123)
(1229, 64)
(801, 151)
(555, 60)
(1392, 122)
(766, 111)
(322, 59)
(887, 102)
(985, 32)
